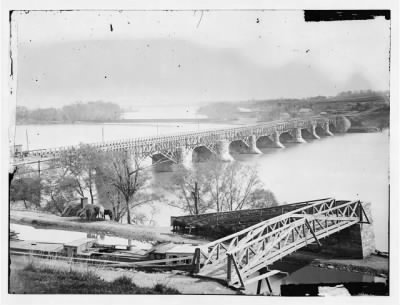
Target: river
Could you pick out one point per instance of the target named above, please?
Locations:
(349, 166)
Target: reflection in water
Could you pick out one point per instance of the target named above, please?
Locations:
(112, 240)
(63, 236)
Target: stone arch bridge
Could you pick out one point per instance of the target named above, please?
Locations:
(196, 146)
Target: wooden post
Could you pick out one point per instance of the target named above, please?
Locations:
(229, 269)
(238, 273)
(360, 212)
(196, 261)
(269, 285)
(195, 195)
(259, 286)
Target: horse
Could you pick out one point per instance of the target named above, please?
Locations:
(100, 214)
(89, 212)
(109, 213)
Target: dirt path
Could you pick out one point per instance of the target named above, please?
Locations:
(182, 282)
(143, 233)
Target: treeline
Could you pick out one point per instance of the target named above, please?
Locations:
(284, 108)
(91, 111)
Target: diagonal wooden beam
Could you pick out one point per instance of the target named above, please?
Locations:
(237, 271)
(364, 214)
(312, 232)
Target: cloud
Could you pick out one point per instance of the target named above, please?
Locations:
(168, 57)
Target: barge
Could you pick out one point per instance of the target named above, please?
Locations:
(88, 250)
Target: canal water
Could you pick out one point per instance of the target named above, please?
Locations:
(349, 166)
(30, 233)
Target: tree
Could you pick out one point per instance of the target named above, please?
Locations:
(127, 183)
(183, 187)
(26, 189)
(224, 187)
(58, 189)
(235, 186)
(80, 165)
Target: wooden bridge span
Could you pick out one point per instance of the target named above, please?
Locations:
(245, 257)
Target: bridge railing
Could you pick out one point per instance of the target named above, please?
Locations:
(262, 244)
(186, 138)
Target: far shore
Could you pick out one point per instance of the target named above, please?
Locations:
(131, 121)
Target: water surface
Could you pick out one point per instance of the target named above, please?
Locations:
(349, 166)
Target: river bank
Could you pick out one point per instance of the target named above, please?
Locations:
(143, 233)
(373, 265)
(174, 279)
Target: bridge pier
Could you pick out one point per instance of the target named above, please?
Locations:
(297, 138)
(276, 142)
(253, 149)
(222, 150)
(183, 155)
(310, 133)
(326, 129)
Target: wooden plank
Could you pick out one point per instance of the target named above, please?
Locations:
(262, 276)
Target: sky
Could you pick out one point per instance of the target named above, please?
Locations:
(190, 57)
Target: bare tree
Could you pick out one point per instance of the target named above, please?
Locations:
(223, 187)
(182, 187)
(81, 164)
(58, 189)
(128, 183)
(234, 186)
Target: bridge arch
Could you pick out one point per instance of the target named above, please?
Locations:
(264, 142)
(238, 147)
(323, 129)
(309, 133)
(202, 154)
(332, 127)
(285, 137)
(161, 163)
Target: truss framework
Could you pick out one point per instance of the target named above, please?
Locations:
(237, 257)
(144, 147)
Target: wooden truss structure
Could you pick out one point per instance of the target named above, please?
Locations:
(238, 257)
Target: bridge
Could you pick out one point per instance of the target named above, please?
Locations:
(185, 147)
(246, 256)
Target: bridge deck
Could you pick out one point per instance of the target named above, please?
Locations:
(168, 144)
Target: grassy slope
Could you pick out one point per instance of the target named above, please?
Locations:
(44, 280)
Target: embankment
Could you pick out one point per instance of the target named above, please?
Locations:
(144, 233)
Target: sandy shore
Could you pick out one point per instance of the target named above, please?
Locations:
(143, 233)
